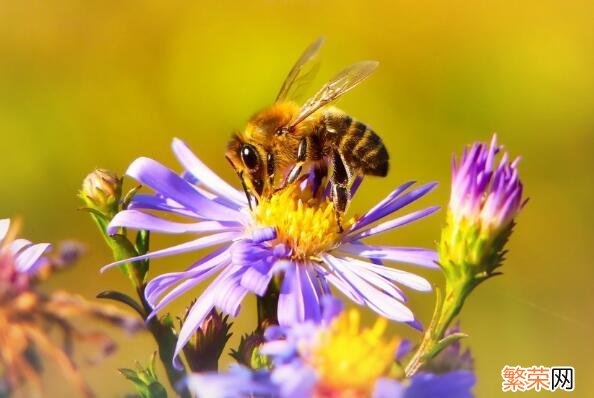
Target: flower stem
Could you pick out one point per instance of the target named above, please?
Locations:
(267, 305)
(447, 307)
(166, 339)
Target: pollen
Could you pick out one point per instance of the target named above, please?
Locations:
(305, 224)
(349, 360)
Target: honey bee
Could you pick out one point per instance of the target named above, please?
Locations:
(279, 141)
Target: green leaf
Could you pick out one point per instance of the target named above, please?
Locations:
(131, 375)
(156, 390)
(443, 343)
(145, 381)
(122, 298)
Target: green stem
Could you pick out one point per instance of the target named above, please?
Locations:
(166, 340)
(163, 333)
(267, 306)
(446, 309)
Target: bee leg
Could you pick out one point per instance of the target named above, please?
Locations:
(252, 200)
(339, 182)
(295, 171)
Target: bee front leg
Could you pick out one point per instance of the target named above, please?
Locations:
(339, 182)
(252, 200)
(295, 171)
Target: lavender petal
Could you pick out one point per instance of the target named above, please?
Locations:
(140, 220)
(409, 255)
(196, 244)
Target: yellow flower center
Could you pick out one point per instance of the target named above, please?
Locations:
(306, 224)
(348, 360)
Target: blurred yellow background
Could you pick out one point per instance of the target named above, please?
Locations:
(99, 83)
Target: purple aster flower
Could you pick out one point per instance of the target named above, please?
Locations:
(19, 259)
(483, 192)
(485, 199)
(294, 232)
(239, 382)
(331, 358)
(30, 320)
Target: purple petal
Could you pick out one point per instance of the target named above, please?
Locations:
(17, 245)
(404, 348)
(388, 388)
(367, 217)
(198, 312)
(375, 299)
(309, 292)
(376, 279)
(204, 174)
(235, 384)
(28, 260)
(409, 255)
(256, 281)
(295, 380)
(345, 288)
(153, 202)
(278, 348)
(287, 301)
(196, 315)
(196, 244)
(140, 220)
(200, 271)
(331, 307)
(4, 226)
(457, 384)
(396, 203)
(404, 278)
(356, 184)
(166, 182)
(230, 293)
(395, 223)
(264, 234)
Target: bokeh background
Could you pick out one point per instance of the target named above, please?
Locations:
(99, 83)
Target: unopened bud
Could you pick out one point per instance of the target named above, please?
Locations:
(102, 190)
(248, 352)
(484, 201)
(208, 342)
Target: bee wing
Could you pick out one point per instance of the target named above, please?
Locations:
(303, 69)
(339, 85)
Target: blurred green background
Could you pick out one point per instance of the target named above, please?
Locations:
(99, 83)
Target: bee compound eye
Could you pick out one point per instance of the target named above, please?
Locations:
(249, 156)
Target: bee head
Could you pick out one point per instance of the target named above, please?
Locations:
(250, 162)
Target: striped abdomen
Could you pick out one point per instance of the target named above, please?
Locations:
(361, 148)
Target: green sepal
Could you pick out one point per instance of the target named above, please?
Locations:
(123, 249)
(125, 202)
(142, 241)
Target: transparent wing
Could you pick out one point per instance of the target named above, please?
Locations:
(340, 84)
(302, 71)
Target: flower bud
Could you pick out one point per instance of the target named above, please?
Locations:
(102, 190)
(208, 342)
(485, 198)
(248, 352)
